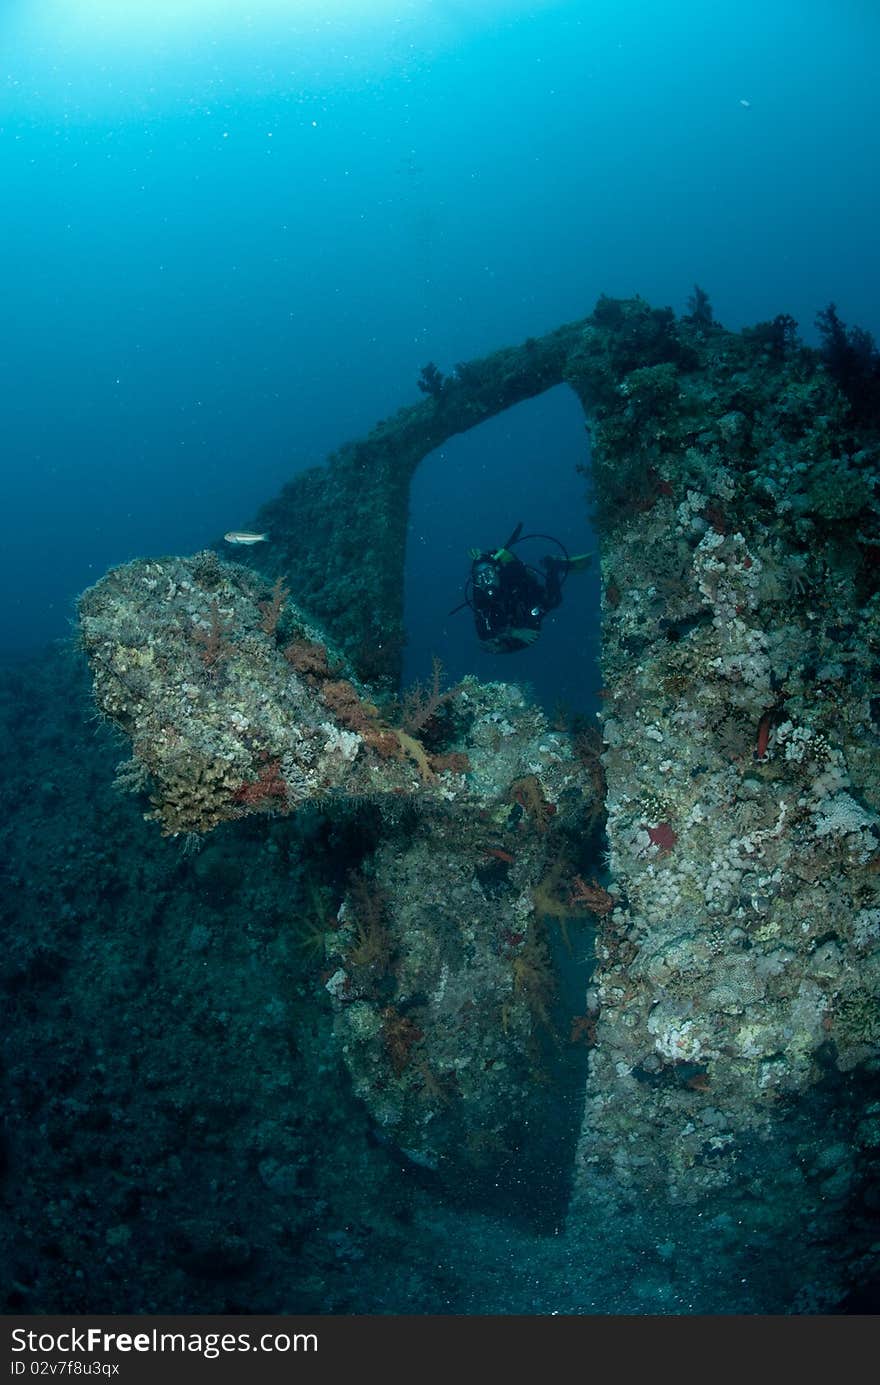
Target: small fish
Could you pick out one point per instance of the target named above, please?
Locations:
(241, 536)
(744, 102)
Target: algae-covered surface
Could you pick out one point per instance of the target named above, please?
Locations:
(326, 995)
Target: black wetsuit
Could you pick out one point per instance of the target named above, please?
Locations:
(508, 614)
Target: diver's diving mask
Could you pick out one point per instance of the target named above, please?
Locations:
(485, 576)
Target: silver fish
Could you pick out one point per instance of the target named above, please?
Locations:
(241, 536)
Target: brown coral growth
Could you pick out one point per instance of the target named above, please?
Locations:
(533, 980)
(527, 792)
(213, 638)
(372, 948)
(271, 610)
(421, 704)
(308, 659)
(592, 896)
(261, 792)
(399, 1034)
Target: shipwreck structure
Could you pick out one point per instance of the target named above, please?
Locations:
(730, 1024)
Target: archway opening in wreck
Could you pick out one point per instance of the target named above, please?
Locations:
(521, 465)
(472, 492)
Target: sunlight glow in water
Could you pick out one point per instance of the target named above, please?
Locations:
(106, 55)
(127, 21)
(103, 56)
(123, 19)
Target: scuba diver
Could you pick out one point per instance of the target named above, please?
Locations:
(509, 598)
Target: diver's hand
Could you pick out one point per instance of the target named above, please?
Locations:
(527, 635)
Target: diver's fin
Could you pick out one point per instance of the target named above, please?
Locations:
(579, 562)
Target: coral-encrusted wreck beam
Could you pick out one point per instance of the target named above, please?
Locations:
(236, 704)
(738, 975)
(339, 530)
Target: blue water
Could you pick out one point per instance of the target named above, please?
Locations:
(230, 245)
(522, 465)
